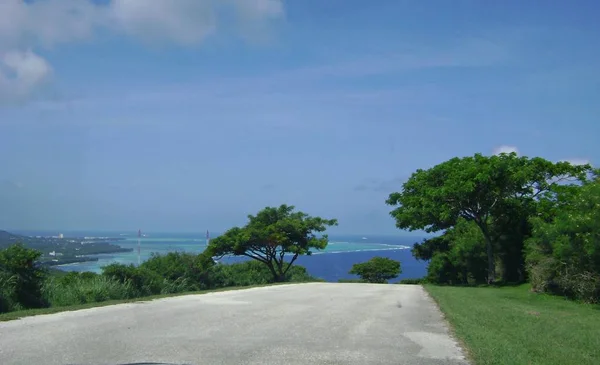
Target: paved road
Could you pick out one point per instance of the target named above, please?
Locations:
(316, 323)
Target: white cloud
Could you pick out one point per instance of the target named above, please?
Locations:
(47, 22)
(505, 149)
(26, 26)
(183, 21)
(21, 74)
(189, 22)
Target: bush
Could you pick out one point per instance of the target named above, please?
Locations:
(252, 273)
(239, 274)
(377, 270)
(563, 253)
(457, 257)
(351, 281)
(161, 274)
(143, 280)
(21, 277)
(413, 281)
(299, 274)
(85, 288)
(176, 266)
(8, 300)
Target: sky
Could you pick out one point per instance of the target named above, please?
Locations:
(187, 115)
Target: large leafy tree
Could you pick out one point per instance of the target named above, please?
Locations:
(481, 189)
(271, 235)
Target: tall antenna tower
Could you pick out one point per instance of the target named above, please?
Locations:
(139, 237)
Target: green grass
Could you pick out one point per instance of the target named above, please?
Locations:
(512, 325)
(34, 312)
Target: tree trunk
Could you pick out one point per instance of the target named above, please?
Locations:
(490, 251)
(490, 256)
(276, 276)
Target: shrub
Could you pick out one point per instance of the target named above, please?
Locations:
(351, 281)
(22, 278)
(413, 281)
(176, 265)
(377, 270)
(252, 273)
(81, 289)
(143, 280)
(563, 253)
(8, 300)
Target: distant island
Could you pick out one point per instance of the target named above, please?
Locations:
(59, 250)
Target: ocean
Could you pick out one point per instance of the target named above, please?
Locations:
(331, 264)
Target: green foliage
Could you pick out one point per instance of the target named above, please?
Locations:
(240, 274)
(456, 257)
(410, 281)
(176, 265)
(175, 272)
(143, 280)
(270, 235)
(85, 288)
(253, 273)
(351, 281)
(426, 249)
(8, 300)
(564, 253)
(20, 278)
(486, 190)
(377, 270)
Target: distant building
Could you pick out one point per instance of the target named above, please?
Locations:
(60, 235)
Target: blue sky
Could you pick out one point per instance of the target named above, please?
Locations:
(190, 114)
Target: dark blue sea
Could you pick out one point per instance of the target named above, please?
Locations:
(331, 264)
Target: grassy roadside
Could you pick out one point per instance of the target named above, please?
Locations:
(511, 325)
(34, 312)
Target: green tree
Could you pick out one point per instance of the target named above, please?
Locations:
(270, 235)
(481, 189)
(563, 254)
(22, 273)
(456, 257)
(377, 270)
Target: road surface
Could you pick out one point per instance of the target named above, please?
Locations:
(298, 324)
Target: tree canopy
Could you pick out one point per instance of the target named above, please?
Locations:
(377, 270)
(564, 253)
(485, 190)
(270, 235)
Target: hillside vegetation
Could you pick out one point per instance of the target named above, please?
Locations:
(25, 285)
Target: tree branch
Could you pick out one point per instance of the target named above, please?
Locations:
(290, 263)
(258, 258)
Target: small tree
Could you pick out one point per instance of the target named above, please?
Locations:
(270, 235)
(377, 270)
